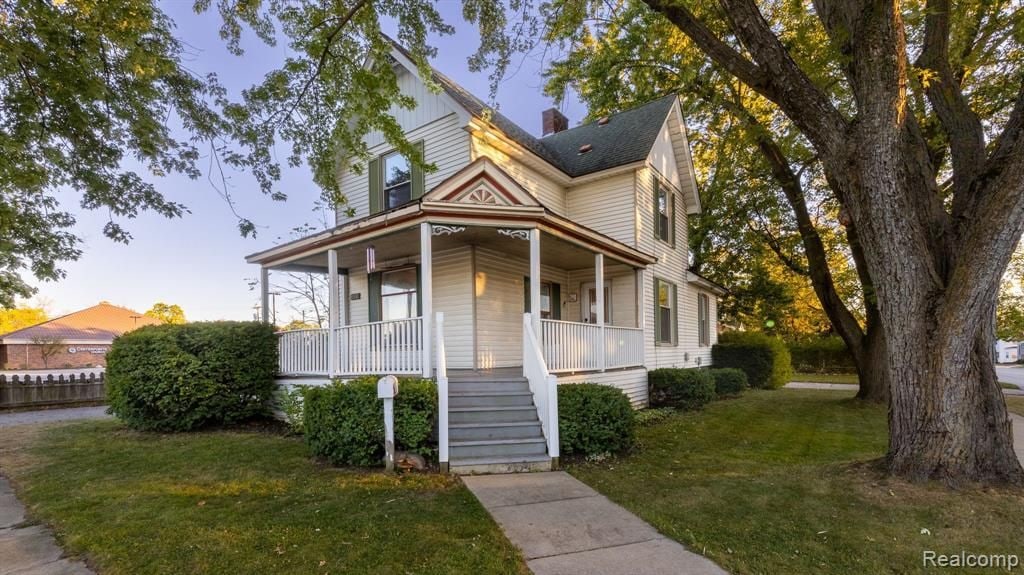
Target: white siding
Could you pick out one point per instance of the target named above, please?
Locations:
(605, 206)
(547, 191)
(623, 284)
(663, 157)
(429, 107)
(445, 144)
(358, 310)
(633, 382)
(453, 295)
(671, 267)
(500, 306)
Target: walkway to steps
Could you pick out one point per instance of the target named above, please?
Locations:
(564, 527)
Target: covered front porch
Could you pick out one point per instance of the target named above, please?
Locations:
(483, 251)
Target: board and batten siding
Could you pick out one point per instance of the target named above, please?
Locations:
(632, 382)
(663, 158)
(547, 191)
(605, 206)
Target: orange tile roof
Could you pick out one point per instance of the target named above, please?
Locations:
(100, 323)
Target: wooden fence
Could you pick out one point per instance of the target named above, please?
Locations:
(28, 391)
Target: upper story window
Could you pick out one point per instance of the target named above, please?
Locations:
(397, 180)
(664, 212)
(703, 319)
(394, 180)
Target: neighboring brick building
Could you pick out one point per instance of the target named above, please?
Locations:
(79, 339)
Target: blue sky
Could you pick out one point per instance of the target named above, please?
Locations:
(197, 261)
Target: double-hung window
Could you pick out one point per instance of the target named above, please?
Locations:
(394, 180)
(394, 294)
(664, 211)
(665, 312)
(703, 319)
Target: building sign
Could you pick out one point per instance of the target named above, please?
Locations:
(92, 350)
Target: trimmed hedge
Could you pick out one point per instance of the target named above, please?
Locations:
(728, 381)
(183, 377)
(594, 419)
(821, 355)
(344, 422)
(763, 358)
(680, 388)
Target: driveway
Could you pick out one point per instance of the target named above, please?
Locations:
(1011, 374)
(53, 415)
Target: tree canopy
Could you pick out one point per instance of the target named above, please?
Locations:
(167, 313)
(13, 319)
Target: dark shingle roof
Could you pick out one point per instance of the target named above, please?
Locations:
(627, 137)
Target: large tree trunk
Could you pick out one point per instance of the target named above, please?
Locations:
(873, 367)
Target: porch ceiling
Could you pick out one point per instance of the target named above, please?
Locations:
(405, 244)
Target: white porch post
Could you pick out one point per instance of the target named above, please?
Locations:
(535, 283)
(427, 285)
(599, 286)
(264, 295)
(332, 313)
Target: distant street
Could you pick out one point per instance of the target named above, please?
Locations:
(1014, 374)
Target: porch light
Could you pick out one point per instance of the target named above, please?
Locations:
(371, 259)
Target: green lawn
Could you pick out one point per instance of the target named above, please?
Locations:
(825, 377)
(780, 482)
(243, 502)
(1015, 403)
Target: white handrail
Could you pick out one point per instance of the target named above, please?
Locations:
(442, 393)
(394, 346)
(543, 385)
(574, 346)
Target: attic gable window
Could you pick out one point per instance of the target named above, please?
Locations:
(395, 180)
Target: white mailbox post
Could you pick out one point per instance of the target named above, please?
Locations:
(387, 389)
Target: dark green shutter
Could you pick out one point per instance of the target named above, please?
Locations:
(556, 302)
(657, 213)
(376, 186)
(670, 203)
(418, 181)
(675, 316)
(374, 296)
(526, 294)
(657, 311)
(419, 291)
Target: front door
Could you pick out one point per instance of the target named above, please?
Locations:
(590, 302)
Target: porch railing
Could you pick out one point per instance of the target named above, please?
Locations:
(391, 347)
(543, 384)
(573, 346)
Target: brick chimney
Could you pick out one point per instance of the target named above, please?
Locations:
(553, 121)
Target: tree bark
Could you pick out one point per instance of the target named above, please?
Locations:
(935, 274)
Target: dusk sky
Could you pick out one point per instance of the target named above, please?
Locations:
(197, 261)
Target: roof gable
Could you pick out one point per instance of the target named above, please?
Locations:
(482, 183)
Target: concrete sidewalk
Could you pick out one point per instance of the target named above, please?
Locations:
(29, 549)
(564, 527)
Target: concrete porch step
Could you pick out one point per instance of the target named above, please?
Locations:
(490, 398)
(492, 414)
(484, 431)
(498, 448)
(481, 465)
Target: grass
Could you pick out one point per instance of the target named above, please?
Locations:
(1005, 385)
(243, 502)
(850, 378)
(1015, 403)
(786, 482)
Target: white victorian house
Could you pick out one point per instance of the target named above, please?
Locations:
(519, 264)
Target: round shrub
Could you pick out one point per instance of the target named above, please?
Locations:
(594, 419)
(765, 359)
(728, 381)
(344, 422)
(680, 388)
(183, 377)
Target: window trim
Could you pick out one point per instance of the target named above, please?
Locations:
(375, 292)
(674, 299)
(703, 320)
(377, 193)
(658, 184)
(384, 188)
